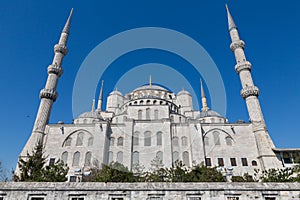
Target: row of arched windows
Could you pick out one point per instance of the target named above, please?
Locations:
(148, 114)
(79, 140)
(120, 141)
(119, 157)
(76, 158)
(147, 138)
(175, 141)
(216, 139)
(185, 157)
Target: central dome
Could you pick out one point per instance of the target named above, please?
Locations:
(152, 87)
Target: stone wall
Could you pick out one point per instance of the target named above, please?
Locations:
(151, 191)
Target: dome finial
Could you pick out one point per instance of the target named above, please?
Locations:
(93, 105)
(150, 80)
(203, 97)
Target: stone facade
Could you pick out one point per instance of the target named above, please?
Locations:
(149, 191)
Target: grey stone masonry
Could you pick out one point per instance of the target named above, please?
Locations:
(152, 191)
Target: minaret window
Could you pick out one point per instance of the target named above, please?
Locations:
(135, 158)
(159, 138)
(136, 138)
(88, 158)
(216, 135)
(228, 141)
(91, 141)
(147, 138)
(120, 141)
(148, 113)
(120, 157)
(76, 159)
(110, 157)
(140, 114)
(184, 141)
(155, 114)
(175, 141)
(64, 157)
(185, 158)
(79, 141)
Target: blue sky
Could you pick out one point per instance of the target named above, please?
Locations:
(29, 29)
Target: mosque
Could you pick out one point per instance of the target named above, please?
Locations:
(152, 125)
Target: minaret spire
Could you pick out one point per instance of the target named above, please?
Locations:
(99, 106)
(250, 93)
(48, 95)
(203, 97)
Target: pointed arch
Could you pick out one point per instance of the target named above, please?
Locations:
(64, 157)
(88, 159)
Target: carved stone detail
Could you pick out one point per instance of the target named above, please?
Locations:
(59, 48)
(249, 91)
(49, 94)
(242, 66)
(55, 69)
(237, 44)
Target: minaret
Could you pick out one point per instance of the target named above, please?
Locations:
(48, 95)
(203, 98)
(100, 100)
(250, 93)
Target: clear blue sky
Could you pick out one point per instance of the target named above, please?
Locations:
(29, 29)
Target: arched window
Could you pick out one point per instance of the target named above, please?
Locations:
(216, 137)
(228, 141)
(111, 141)
(175, 156)
(120, 157)
(184, 141)
(120, 141)
(79, 141)
(110, 157)
(88, 159)
(135, 158)
(64, 157)
(159, 138)
(140, 114)
(76, 158)
(155, 114)
(185, 158)
(148, 102)
(91, 141)
(148, 113)
(175, 141)
(254, 163)
(159, 156)
(68, 142)
(147, 138)
(206, 141)
(136, 138)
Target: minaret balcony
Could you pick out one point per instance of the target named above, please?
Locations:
(245, 65)
(249, 91)
(48, 94)
(59, 48)
(237, 44)
(55, 69)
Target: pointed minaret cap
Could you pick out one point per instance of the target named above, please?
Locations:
(99, 106)
(203, 97)
(231, 24)
(67, 25)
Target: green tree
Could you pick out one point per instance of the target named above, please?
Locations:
(201, 173)
(32, 168)
(245, 178)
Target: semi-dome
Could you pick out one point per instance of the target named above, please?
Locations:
(116, 92)
(90, 114)
(209, 113)
(182, 92)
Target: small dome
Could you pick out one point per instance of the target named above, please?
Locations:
(116, 92)
(90, 114)
(209, 113)
(182, 92)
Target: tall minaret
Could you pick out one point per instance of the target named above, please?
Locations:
(203, 98)
(250, 93)
(48, 95)
(100, 100)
